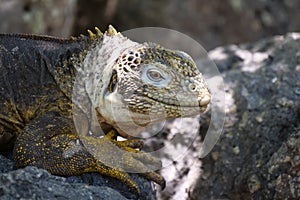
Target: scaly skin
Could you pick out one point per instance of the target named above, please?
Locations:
(46, 81)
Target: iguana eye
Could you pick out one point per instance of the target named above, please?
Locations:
(154, 75)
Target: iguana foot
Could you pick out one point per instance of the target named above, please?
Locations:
(143, 158)
(118, 158)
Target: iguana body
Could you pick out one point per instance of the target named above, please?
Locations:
(46, 81)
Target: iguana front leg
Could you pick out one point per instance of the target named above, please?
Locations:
(50, 142)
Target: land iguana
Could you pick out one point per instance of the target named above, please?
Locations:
(57, 95)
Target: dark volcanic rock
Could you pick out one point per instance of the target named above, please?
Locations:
(34, 183)
(258, 155)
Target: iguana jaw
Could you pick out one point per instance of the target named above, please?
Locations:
(116, 113)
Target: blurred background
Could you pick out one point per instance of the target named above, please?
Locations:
(212, 23)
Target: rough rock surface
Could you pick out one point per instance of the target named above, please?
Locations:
(258, 155)
(178, 142)
(34, 183)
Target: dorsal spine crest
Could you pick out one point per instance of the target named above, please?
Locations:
(95, 36)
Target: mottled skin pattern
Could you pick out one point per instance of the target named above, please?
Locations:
(27, 88)
(37, 75)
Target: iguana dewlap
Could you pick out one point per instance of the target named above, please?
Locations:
(55, 93)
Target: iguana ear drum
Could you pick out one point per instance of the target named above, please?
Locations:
(113, 82)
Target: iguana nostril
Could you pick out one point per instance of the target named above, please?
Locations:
(204, 100)
(192, 87)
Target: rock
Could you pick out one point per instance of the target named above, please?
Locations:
(34, 183)
(54, 17)
(259, 150)
(177, 143)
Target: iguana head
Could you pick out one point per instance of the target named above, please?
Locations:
(155, 80)
(141, 84)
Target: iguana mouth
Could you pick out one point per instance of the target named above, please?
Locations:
(167, 107)
(202, 102)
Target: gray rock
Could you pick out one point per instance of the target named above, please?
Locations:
(34, 183)
(6, 165)
(258, 155)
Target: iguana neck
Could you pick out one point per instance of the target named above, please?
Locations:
(94, 68)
